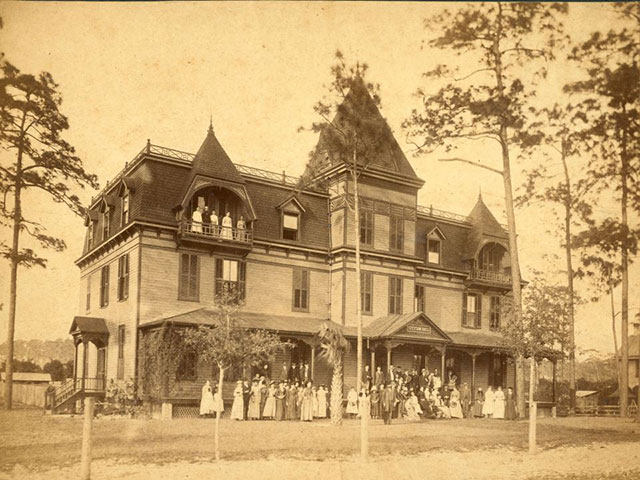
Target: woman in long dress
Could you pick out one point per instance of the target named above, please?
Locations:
(375, 402)
(241, 228)
(196, 221)
(510, 405)
(206, 400)
(478, 404)
(322, 402)
(487, 408)
(269, 410)
(306, 409)
(498, 403)
(314, 401)
(290, 403)
(237, 409)
(254, 402)
(213, 219)
(227, 226)
(280, 402)
(352, 403)
(364, 404)
(218, 403)
(454, 404)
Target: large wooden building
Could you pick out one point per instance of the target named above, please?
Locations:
(432, 281)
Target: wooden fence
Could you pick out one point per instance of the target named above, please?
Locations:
(28, 393)
(598, 411)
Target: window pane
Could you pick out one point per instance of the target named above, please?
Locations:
(471, 303)
(291, 221)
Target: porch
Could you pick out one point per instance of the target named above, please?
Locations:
(90, 338)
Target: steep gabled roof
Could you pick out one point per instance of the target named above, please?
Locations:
(359, 113)
(396, 325)
(212, 161)
(483, 225)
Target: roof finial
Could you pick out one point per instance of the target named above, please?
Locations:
(211, 124)
(358, 69)
(480, 193)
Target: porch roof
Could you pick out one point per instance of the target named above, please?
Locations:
(89, 325)
(476, 339)
(279, 323)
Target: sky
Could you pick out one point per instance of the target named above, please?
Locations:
(130, 72)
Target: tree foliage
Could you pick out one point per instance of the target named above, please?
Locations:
(544, 329)
(32, 128)
(333, 347)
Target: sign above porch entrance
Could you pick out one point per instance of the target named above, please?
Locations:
(414, 326)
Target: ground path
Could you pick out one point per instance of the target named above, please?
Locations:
(33, 446)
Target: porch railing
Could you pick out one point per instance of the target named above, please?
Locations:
(207, 230)
(75, 385)
(489, 276)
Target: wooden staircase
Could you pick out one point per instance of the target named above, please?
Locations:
(74, 389)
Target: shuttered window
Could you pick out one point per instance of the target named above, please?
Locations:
(471, 310)
(301, 290)
(396, 233)
(230, 278)
(189, 277)
(123, 277)
(120, 371)
(104, 286)
(395, 295)
(366, 297)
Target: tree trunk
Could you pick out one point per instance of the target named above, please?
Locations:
(533, 413)
(13, 282)
(615, 337)
(516, 286)
(567, 231)
(216, 434)
(624, 322)
(364, 430)
(336, 394)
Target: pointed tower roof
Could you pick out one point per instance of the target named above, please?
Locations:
(483, 225)
(212, 161)
(359, 113)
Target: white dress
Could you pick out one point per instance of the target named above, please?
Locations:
(237, 409)
(352, 402)
(489, 397)
(498, 404)
(454, 405)
(196, 222)
(227, 227)
(241, 227)
(206, 400)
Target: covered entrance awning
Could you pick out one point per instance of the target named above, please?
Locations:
(89, 329)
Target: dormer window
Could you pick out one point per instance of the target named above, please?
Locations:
(291, 214)
(433, 250)
(434, 246)
(106, 220)
(290, 226)
(124, 210)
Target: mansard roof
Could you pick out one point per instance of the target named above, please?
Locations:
(359, 114)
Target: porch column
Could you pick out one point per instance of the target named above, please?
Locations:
(373, 364)
(554, 384)
(75, 360)
(85, 361)
(313, 361)
(388, 356)
(473, 376)
(443, 354)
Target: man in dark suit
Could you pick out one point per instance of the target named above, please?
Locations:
(284, 372)
(423, 379)
(294, 375)
(379, 377)
(388, 402)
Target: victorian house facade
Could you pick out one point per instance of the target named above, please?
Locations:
(432, 281)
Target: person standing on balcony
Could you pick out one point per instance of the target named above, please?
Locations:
(196, 220)
(227, 226)
(241, 229)
(206, 221)
(213, 219)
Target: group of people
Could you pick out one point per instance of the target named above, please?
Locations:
(405, 394)
(394, 394)
(208, 223)
(270, 400)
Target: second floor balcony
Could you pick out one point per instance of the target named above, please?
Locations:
(489, 277)
(210, 234)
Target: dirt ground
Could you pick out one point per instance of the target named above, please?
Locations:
(36, 447)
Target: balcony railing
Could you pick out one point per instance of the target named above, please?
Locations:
(488, 276)
(216, 232)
